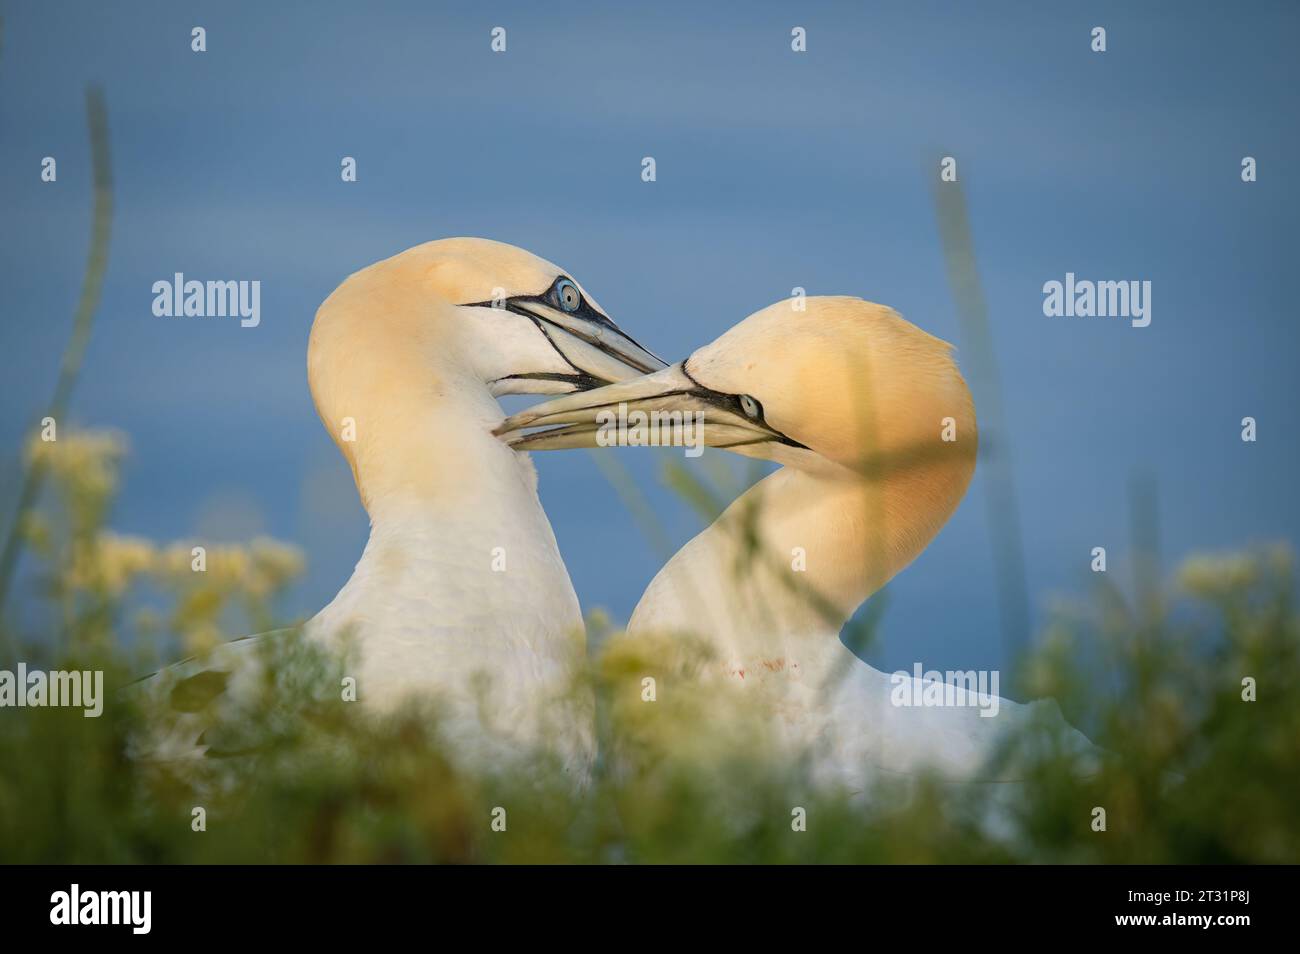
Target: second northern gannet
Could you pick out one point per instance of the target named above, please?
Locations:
(877, 433)
(461, 592)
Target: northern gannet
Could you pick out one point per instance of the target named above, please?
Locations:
(461, 591)
(877, 433)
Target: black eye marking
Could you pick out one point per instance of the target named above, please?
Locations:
(566, 295)
(563, 296)
(741, 405)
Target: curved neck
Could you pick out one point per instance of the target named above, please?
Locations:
(772, 581)
(458, 535)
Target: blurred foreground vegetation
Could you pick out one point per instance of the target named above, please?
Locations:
(1194, 773)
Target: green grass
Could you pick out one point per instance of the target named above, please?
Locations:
(1193, 772)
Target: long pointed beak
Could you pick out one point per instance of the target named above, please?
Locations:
(591, 418)
(592, 343)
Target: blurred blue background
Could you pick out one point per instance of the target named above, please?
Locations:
(775, 170)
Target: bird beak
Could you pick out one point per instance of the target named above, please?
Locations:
(597, 349)
(592, 418)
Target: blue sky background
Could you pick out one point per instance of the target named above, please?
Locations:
(774, 170)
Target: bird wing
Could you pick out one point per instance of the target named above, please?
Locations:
(192, 706)
(970, 738)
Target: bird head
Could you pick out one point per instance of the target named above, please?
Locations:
(822, 383)
(453, 324)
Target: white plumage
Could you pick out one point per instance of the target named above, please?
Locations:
(877, 432)
(461, 593)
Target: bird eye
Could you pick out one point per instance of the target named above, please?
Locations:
(750, 406)
(567, 294)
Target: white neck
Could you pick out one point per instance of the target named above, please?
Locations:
(461, 574)
(771, 582)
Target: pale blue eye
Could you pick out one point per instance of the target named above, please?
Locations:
(567, 295)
